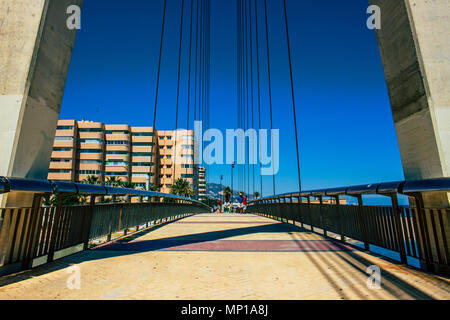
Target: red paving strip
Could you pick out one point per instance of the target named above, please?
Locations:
(229, 245)
(231, 222)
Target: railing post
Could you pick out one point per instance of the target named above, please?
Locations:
(398, 225)
(424, 235)
(87, 222)
(311, 224)
(300, 210)
(292, 211)
(55, 228)
(338, 213)
(362, 222)
(322, 220)
(33, 232)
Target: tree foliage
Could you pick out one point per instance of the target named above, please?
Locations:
(182, 188)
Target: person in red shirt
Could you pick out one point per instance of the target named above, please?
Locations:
(244, 202)
(220, 206)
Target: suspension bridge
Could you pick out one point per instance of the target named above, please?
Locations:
(306, 244)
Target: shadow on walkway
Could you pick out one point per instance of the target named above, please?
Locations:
(348, 259)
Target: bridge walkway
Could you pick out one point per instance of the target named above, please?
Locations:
(224, 256)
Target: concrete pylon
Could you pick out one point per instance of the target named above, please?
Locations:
(35, 51)
(414, 43)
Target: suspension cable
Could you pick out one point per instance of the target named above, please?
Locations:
(196, 64)
(189, 72)
(293, 96)
(251, 82)
(270, 91)
(178, 88)
(259, 89)
(157, 81)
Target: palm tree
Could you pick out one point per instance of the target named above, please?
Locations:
(91, 180)
(256, 194)
(128, 185)
(227, 194)
(114, 181)
(182, 188)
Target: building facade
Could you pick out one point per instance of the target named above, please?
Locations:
(131, 154)
(200, 182)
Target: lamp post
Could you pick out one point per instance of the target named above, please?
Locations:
(232, 167)
(223, 194)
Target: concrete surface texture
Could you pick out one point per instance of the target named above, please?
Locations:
(414, 43)
(224, 256)
(35, 52)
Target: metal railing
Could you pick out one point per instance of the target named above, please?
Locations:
(415, 231)
(39, 234)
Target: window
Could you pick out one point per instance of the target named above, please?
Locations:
(117, 132)
(91, 161)
(169, 137)
(161, 147)
(142, 134)
(188, 147)
(187, 166)
(62, 149)
(140, 175)
(168, 176)
(59, 171)
(121, 174)
(118, 142)
(187, 156)
(169, 147)
(143, 164)
(63, 138)
(90, 150)
(64, 128)
(90, 130)
(90, 140)
(142, 154)
(89, 172)
(168, 167)
(117, 152)
(60, 160)
(116, 163)
(188, 137)
(168, 186)
(143, 144)
(187, 176)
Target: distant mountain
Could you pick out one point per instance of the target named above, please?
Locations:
(215, 191)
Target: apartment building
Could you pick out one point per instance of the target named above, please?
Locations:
(200, 178)
(132, 154)
(175, 157)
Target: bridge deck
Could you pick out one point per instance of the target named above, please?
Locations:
(224, 256)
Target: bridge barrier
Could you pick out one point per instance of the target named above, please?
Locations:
(40, 234)
(413, 232)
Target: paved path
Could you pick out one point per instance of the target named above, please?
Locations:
(224, 256)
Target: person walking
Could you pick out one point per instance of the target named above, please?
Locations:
(240, 199)
(244, 204)
(220, 206)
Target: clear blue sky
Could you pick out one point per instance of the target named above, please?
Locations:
(346, 131)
